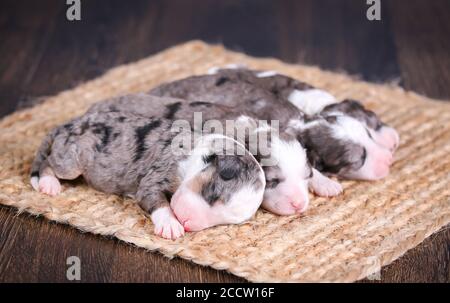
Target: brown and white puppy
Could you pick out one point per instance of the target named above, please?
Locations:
(132, 155)
(288, 175)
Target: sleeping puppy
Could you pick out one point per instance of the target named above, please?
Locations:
(288, 174)
(236, 88)
(312, 101)
(341, 145)
(381, 133)
(132, 155)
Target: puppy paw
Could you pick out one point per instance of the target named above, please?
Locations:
(166, 224)
(324, 186)
(49, 185)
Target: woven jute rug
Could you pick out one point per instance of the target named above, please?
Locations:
(340, 239)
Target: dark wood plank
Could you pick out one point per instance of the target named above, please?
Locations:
(42, 53)
(428, 262)
(336, 35)
(35, 250)
(421, 32)
(26, 29)
(78, 52)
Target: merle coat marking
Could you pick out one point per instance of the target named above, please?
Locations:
(132, 159)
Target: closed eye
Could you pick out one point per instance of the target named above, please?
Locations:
(363, 157)
(368, 133)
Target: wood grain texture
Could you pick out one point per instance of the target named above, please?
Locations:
(42, 53)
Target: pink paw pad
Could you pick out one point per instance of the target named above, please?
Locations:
(49, 185)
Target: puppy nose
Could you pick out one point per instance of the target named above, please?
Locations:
(298, 205)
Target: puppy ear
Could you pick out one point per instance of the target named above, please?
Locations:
(314, 158)
(346, 106)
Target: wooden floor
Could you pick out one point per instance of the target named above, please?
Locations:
(41, 53)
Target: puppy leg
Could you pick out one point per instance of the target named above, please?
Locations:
(166, 224)
(62, 163)
(152, 200)
(324, 186)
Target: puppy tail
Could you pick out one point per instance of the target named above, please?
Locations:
(41, 156)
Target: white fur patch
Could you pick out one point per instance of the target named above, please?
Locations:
(351, 129)
(194, 163)
(291, 158)
(266, 74)
(213, 70)
(35, 183)
(311, 101)
(243, 205)
(235, 66)
(191, 166)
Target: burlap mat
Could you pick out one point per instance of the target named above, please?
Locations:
(340, 239)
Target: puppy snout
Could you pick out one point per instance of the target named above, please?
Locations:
(384, 157)
(299, 204)
(389, 158)
(390, 138)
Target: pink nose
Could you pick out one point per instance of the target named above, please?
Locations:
(298, 205)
